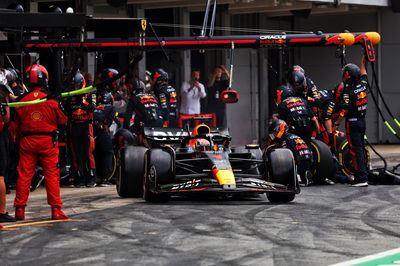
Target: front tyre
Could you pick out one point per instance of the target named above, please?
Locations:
(150, 185)
(282, 170)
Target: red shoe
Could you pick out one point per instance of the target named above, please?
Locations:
(20, 212)
(1, 226)
(58, 214)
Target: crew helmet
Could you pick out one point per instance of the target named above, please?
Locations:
(351, 74)
(106, 98)
(78, 82)
(278, 129)
(159, 75)
(36, 75)
(107, 74)
(138, 86)
(296, 79)
(283, 92)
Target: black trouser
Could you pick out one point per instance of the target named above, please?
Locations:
(12, 149)
(355, 130)
(82, 145)
(103, 154)
(303, 165)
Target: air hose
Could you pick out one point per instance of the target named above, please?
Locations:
(381, 95)
(374, 98)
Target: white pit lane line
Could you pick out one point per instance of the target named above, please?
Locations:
(371, 258)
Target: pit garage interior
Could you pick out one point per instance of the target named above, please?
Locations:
(256, 71)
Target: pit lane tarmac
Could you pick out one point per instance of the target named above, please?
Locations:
(324, 225)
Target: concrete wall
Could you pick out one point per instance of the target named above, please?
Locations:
(243, 116)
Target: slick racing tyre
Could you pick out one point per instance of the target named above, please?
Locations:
(339, 141)
(150, 184)
(163, 162)
(159, 171)
(131, 172)
(282, 170)
(114, 169)
(346, 160)
(323, 166)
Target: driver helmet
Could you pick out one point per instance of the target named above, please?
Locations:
(278, 129)
(203, 145)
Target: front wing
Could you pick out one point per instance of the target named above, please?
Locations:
(197, 185)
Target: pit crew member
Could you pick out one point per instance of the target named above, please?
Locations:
(280, 137)
(146, 108)
(37, 125)
(166, 96)
(354, 104)
(80, 131)
(104, 115)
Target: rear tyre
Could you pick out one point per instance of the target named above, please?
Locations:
(323, 166)
(131, 172)
(346, 160)
(113, 173)
(282, 170)
(339, 141)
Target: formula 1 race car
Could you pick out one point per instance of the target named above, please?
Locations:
(176, 162)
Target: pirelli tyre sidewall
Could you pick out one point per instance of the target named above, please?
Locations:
(339, 142)
(323, 165)
(113, 174)
(281, 170)
(131, 171)
(345, 159)
(159, 165)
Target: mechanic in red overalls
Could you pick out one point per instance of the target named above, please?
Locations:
(37, 126)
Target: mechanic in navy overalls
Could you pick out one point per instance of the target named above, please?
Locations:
(104, 115)
(278, 134)
(354, 104)
(297, 114)
(166, 96)
(146, 108)
(80, 109)
(321, 103)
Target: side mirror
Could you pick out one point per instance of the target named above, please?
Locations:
(229, 96)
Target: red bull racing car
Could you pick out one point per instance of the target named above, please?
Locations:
(174, 161)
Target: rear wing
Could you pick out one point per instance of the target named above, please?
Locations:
(165, 134)
(174, 135)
